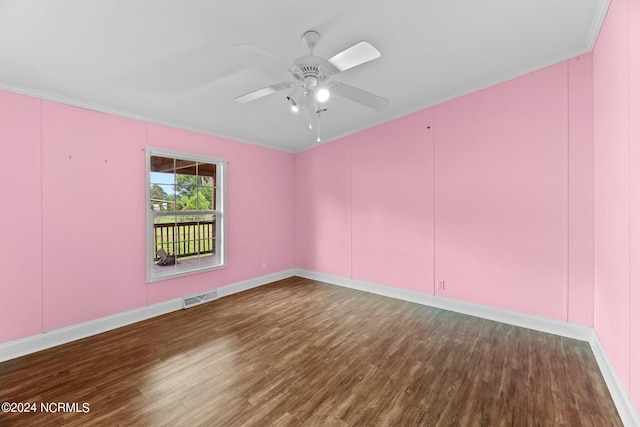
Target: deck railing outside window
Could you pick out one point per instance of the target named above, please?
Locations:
(185, 239)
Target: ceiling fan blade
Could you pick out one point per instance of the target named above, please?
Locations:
(357, 54)
(360, 96)
(195, 67)
(256, 94)
(257, 51)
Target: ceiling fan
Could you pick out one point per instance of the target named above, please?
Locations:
(311, 85)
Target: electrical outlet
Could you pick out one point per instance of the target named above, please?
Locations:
(441, 284)
(264, 265)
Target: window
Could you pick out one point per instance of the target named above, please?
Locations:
(185, 213)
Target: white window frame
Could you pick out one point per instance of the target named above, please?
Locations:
(180, 269)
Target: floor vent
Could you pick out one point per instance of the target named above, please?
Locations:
(194, 300)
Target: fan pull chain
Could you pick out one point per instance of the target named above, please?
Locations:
(307, 112)
(318, 140)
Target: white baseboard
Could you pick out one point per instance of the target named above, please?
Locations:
(551, 326)
(619, 395)
(42, 341)
(245, 285)
(625, 408)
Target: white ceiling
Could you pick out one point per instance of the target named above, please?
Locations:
(172, 62)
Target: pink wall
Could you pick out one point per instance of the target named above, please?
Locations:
(92, 216)
(354, 220)
(20, 250)
(503, 169)
(501, 195)
(392, 203)
(616, 74)
(77, 248)
(633, 10)
(276, 212)
(323, 209)
(580, 186)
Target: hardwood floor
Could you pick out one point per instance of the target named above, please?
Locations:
(299, 352)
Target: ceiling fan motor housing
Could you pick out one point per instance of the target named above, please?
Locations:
(311, 71)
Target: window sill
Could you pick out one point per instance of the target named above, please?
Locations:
(184, 267)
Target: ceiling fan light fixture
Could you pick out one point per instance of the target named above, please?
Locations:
(296, 99)
(323, 94)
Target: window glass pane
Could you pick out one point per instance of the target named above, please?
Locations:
(207, 235)
(186, 167)
(206, 185)
(161, 165)
(204, 198)
(162, 197)
(208, 173)
(194, 235)
(164, 236)
(186, 192)
(161, 178)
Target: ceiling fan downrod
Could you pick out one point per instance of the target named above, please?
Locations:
(310, 39)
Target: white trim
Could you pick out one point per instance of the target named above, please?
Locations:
(48, 96)
(245, 285)
(627, 412)
(551, 326)
(620, 398)
(596, 25)
(214, 263)
(42, 341)
(45, 340)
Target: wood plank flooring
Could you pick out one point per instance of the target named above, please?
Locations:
(299, 352)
